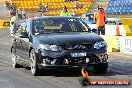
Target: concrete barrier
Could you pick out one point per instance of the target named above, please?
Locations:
(126, 45)
(119, 44)
(126, 21)
(113, 43)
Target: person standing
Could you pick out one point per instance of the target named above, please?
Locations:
(76, 5)
(19, 13)
(13, 23)
(43, 11)
(46, 6)
(73, 12)
(23, 14)
(13, 8)
(65, 12)
(99, 18)
(7, 4)
(40, 7)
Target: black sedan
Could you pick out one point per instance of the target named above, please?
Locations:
(55, 42)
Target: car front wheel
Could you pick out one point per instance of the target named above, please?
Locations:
(33, 63)
(101, 69)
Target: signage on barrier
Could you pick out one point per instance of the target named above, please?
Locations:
(6, 24)
(118, 43)
(127, 45)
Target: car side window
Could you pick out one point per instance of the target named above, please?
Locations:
(21, 28)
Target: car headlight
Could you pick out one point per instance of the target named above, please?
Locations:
(99, 45)
(54, 48)
(50, 47)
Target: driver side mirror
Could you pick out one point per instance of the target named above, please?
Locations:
(23, 35)
(94, 31)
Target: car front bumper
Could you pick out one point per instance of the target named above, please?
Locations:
(64, 59)
(89, 66)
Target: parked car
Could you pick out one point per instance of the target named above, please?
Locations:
(55, 42)
(113, 21)
(88, 18)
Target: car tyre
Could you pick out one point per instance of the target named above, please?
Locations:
(33, 64)
(14, 60)
(101, 69)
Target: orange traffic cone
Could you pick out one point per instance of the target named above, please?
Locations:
(117, 31)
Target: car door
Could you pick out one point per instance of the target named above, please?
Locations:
(24, 42)
(18, 42)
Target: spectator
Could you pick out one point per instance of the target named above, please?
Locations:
(99, 18)
(19, 13)
(7, 4)
(23, 14)
(43, 11)
(76, 5)
(80, 6)
(13, 23)
(73, 12)
(13, 8)
(46, 6)
(40, 7)
(64, 12)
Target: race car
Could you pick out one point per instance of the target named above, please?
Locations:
(52, 42)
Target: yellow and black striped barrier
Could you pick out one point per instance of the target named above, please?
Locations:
(4, 23)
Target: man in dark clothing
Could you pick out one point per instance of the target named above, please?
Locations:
(13, 8)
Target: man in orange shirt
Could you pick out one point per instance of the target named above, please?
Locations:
(100, 18)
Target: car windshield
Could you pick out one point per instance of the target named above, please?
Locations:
(59, 25)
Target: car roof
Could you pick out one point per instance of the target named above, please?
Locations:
(56, 17)
(87, 14)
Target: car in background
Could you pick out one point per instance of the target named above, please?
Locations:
(52, 42)
(113, 21)
(88, 19)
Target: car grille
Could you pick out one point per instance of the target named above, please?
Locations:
(77, 47)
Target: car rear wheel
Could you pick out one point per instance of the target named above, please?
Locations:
(33, 63)
(14, 60)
